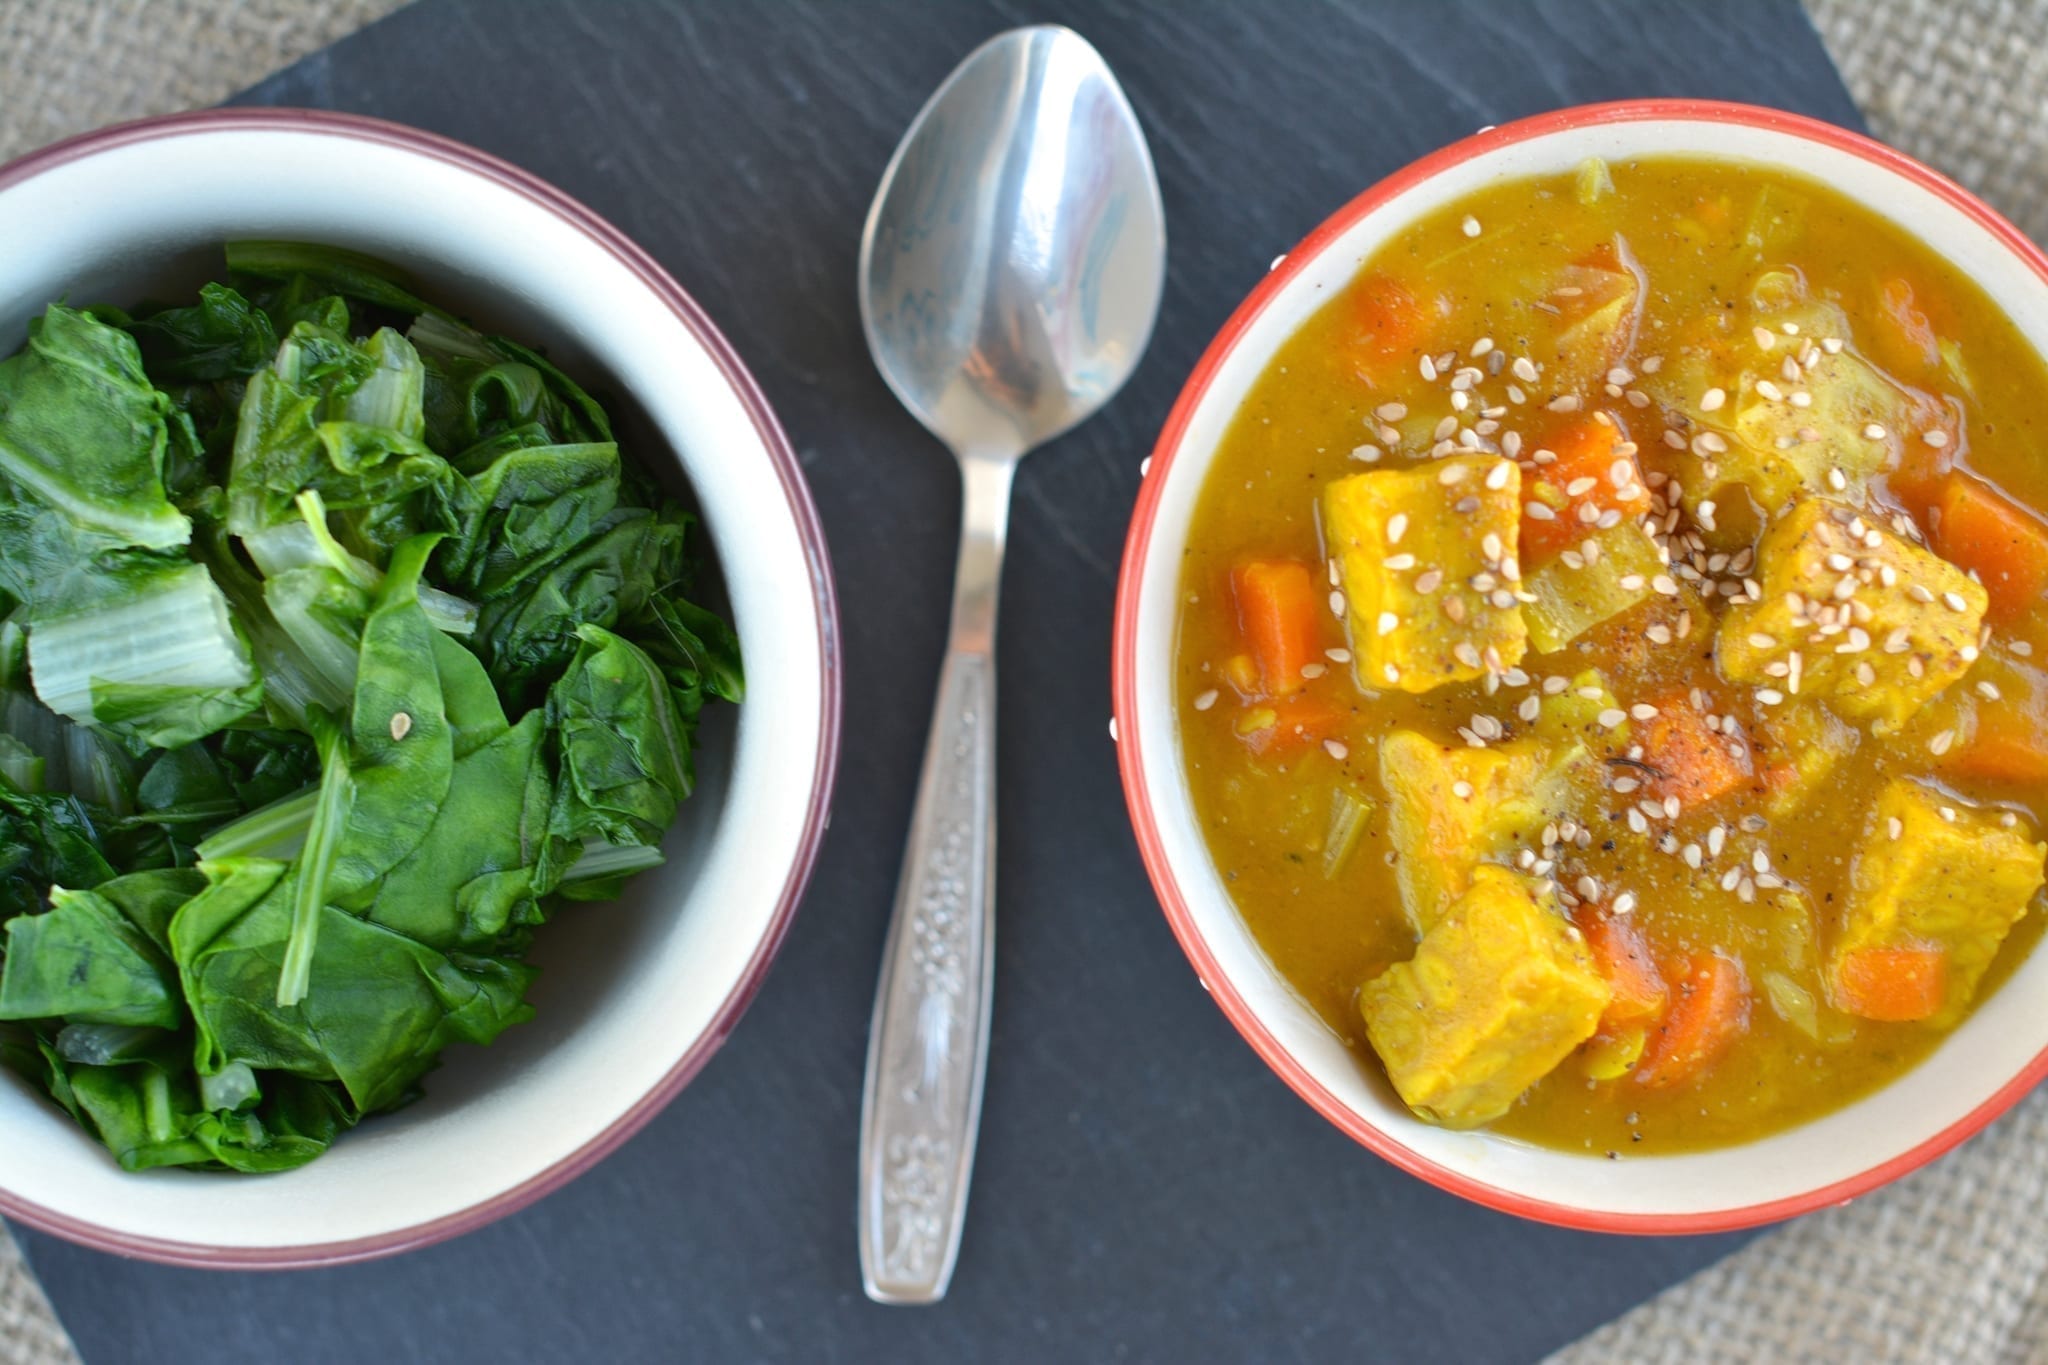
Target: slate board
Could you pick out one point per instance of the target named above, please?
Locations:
(1146, 1188)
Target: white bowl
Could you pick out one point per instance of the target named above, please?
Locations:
(633, 997)
(1974, 1075)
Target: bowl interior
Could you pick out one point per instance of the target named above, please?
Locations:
(632, 994)
(1979, 1069)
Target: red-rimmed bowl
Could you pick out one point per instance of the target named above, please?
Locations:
(1975, 1074)
(633, 997)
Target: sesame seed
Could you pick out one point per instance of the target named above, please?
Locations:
(1531, 707)
(1770, 390)
(1691, 854)
(1451, 474)
(1337, 605)
(1919, 594)
(1497, 477)
(1948, 813)
(1428, 369)
(1895, 827)
(1764, 339)
(1730, 878)
(1391, 412)
(1337, 656)
(1873, 432)
(1769, 696)
(1388, 623)
(1463, 791)
(1581, 486)
(1671, 808)
(1642, 710)
(1336, 750)
(1939, 745)
(1937, 439)
(1988, 690)
(1568, 402)
(1400, 563)
(1206, 700)
(1393, 673)
(1954, 601)
(1537, 511)
(1470, 227)
(1611, 717)
(1368, 453)
(1466, 654)
(1314, 671)
(401, 725)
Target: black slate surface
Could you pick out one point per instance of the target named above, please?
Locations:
(1146, 1189)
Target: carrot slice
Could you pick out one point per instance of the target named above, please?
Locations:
(2007, 746)
(1891, 984)
(1622, 956)
(1389, 324)
(1697, 764)
(1980, 528)
(1591, 448)
(1710, 1011)
(1277, 604)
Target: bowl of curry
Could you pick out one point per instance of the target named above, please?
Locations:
(1579, 667)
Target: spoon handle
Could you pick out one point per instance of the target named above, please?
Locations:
(928, 1047)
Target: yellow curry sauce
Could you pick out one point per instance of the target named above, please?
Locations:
(1760, 767)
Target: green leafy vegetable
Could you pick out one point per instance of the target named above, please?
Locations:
(339, 649)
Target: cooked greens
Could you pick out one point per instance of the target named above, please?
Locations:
(338, 649)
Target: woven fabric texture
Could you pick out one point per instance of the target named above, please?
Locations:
(1948, 1265)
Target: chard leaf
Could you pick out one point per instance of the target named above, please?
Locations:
(469, 880)
(223, 336)
(623, 752)
(530, 634)
(85, 961)
(150, 1119)
(336, 270)
(82, 433)
(402, 767)
(524, 512)
(149, 651)
(380, 1007)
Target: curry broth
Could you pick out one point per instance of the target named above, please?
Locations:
(1702, 233)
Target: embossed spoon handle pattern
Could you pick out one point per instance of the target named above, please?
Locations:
(928, 1048)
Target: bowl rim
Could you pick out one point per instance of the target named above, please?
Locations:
(1124, 655)
(824, 601)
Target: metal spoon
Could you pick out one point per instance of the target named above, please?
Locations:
(1009, 277)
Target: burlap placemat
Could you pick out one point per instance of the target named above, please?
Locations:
(1948, 1265)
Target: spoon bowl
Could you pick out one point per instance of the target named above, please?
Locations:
(1010, 275)
(1015, 255)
